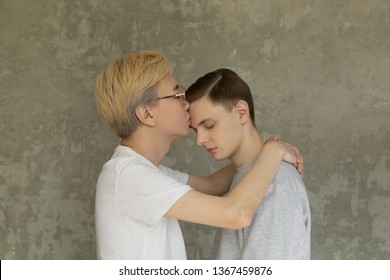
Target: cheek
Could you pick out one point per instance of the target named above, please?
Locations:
(220, 135)
(230, 136)
(182, 111)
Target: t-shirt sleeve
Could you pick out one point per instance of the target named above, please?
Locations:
(281, 230)
(175, 174)
(145, 193)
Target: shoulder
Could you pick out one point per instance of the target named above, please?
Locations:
(287, 173)
(289, 181)
(287, 169)
(287, 193)
(125, 159)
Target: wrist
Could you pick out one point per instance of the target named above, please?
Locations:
(275, 147)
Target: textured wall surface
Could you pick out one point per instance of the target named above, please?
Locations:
(318, 69)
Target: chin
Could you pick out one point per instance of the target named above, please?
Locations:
(216, 157)
(185, 132)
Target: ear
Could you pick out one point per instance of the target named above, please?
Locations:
(144, 115)
(242, 110)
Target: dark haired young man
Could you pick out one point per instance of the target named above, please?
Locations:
(222, 114)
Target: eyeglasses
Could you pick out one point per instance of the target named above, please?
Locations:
(181, 94)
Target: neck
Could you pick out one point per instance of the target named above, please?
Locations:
(148, 146)
(249, 148)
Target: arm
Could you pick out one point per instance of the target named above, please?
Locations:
(278, 231)
(282, 225)
(217, 183)
(235, 210)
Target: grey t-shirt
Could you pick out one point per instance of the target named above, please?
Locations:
(280, 229)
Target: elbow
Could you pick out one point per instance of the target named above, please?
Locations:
(243, 223)
(238, 213)
(241, 219)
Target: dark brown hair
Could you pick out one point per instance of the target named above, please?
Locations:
(222, 86)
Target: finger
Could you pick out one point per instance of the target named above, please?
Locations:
(299, 162)
(300, 167)
(297, 154)
(273, 138)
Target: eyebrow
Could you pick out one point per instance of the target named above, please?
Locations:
(200, 123)
(203, 121)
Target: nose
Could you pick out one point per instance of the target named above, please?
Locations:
(186, 104)
(200, 138)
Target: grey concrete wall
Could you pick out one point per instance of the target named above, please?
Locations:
(318, 69)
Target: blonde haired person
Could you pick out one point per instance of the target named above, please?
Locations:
(139, 201)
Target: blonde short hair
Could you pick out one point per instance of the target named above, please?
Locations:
(127, 83)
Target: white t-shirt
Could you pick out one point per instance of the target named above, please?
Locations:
(132, 197)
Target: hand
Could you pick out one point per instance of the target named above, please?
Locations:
(291, 154)
(272, 138)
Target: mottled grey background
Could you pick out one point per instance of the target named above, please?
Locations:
(318, 69)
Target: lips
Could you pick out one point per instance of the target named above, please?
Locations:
(211, 150)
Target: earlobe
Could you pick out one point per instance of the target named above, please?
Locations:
(144, 115)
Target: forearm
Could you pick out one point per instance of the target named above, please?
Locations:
(222, 179)
(235, 210)
(217, 183)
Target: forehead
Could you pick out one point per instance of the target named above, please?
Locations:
(204, 109)
(167, 83)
